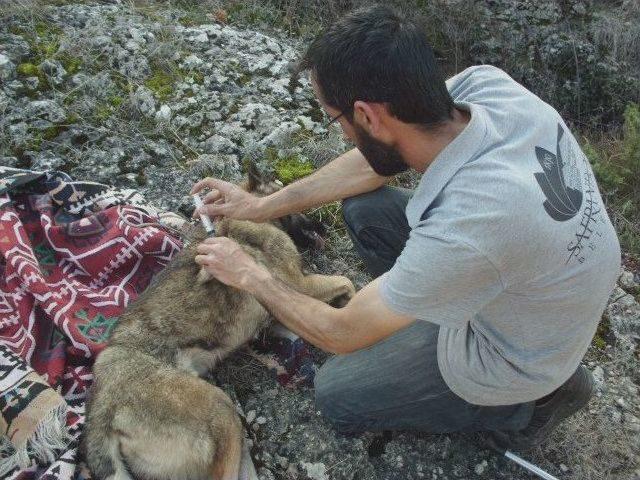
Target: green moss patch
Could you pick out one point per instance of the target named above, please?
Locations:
(70, 64)
(165, 75)
(602, 334)
(102, 112)
(115, 101)
(243, 79)
(27, 70)
(44, 41)
(161, 84)
(31, 70)
(289, 168)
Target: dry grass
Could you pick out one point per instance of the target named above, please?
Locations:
(593, 447)
(23, 8)
(619, 31)
(321, 149)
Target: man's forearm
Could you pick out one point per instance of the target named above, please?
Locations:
(346, 176)
(313, 320)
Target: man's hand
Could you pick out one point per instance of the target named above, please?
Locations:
(225, 260)
(228, 200)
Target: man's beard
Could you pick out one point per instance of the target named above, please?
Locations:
(385, 160)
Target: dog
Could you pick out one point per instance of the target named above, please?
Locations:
(150, 414)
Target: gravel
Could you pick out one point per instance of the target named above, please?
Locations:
(155, 105)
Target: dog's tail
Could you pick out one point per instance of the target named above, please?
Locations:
(106, 461)
(121, 471)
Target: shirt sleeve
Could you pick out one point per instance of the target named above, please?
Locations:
(440, 279)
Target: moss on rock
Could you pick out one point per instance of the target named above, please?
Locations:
(160, 83)
(290, 167)
(27, 69)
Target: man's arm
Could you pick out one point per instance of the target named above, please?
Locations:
(346, 176)
(364, 321)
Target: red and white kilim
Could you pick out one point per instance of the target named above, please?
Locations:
(73, 255)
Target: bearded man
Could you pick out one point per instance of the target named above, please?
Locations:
(490, 277)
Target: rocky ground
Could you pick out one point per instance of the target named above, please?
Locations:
(149, 98)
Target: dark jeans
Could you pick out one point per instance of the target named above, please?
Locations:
(396, 383)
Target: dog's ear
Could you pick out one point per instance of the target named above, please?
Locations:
(203, 277)
(254, 179)
(306, 232)
(258, 183)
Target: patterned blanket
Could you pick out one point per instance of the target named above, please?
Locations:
(71, 259)
(73, 255)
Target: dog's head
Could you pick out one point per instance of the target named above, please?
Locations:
(306, 232)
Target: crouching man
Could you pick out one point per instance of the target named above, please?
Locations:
(490, 277)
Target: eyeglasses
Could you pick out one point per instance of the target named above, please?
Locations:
(334, 120)
(337, 117)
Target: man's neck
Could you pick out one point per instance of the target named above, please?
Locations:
(419, 148)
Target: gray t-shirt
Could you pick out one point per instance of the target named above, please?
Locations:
(511, 250)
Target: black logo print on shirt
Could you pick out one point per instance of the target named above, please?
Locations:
(569, 192)
(560, 182)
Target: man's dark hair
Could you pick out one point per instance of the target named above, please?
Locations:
(373, 54)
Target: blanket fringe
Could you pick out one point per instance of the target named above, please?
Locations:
(50, 436)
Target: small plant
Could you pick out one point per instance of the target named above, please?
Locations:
(103, 112)
(617, 167)
(44, 29)
(198, 77)
(31, 70)
(608, 174)
(632, 140)
(190, 19)
(243, 79)
(115, 101)
(70, 64)
(603, 332)
(329, 215)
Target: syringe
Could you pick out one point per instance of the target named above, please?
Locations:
(204, 218)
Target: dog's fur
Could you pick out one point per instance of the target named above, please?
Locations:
(150, 415)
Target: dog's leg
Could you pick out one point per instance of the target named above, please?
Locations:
(229, 454)
(334, 289)
(197, 361)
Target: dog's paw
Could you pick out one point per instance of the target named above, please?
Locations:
(344, 294)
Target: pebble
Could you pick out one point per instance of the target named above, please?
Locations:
(163, 115)
(598, 377)
(282, 462)
(201, 38)
(480, 467)
(627, 281)
(192, 61)
(228, 117)
(315, 471)
(616, 416)
(251, 416)
(7, 68)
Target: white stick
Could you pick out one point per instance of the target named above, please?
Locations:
(204, 218)
(529, 466)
